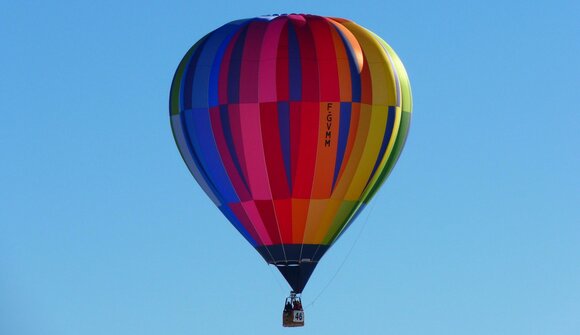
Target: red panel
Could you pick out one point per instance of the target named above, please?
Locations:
(283, 209)
(327, 64)
(234, 117)
(240, 214)
(273, 151)
(250, 62)
(308, 61)
(366, 83)
(225, 155)
(266, 210)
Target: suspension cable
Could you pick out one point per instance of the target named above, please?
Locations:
(346, 257)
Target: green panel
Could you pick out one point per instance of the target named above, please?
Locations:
(343, 216)
(406, 97)
(407, 106)
(392, 160)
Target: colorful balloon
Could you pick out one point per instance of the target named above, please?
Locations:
(290, 124)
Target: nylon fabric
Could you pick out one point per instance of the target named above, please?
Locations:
(290, 124)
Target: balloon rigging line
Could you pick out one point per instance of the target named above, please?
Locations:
(276, 278)
(347, 255)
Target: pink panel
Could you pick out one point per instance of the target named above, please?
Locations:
(250, 62)
(268, 60)
(255, 218)
(254, 151)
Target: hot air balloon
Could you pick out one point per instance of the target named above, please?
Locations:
(290, 124)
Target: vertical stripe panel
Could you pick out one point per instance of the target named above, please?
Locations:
(189, 156)
(235, 139)
(268, 61)
(247, 211)
(242, 224)
(283, 63)
(250, 62)
(235, 67)
(273, 151)
(254, 151)
(294, 74)
(198, 127)
(223, 143)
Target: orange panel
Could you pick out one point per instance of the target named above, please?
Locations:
(320, 219)
(299, 216)
(326, 149)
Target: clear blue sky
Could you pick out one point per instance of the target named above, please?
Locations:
(104, 231)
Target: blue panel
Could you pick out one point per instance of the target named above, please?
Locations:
(284, 127)
(229, 31)
(191, 160)
(198, 126)
(177, 83)
(186, 98)
(227, 130)
(354, 71)
(201, 80)
(197, 160)
(237, 224)
(234, 71)
(294, 64)
(386, 139)
(343, 132)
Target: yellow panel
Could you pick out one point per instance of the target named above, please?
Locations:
(370, 152)
(351, 165)
(381, 69)
(389, 149)
(324, 215)
(406, 96)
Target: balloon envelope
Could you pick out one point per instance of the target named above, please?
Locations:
(290, 123)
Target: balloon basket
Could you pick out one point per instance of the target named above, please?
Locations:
(293, 314)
